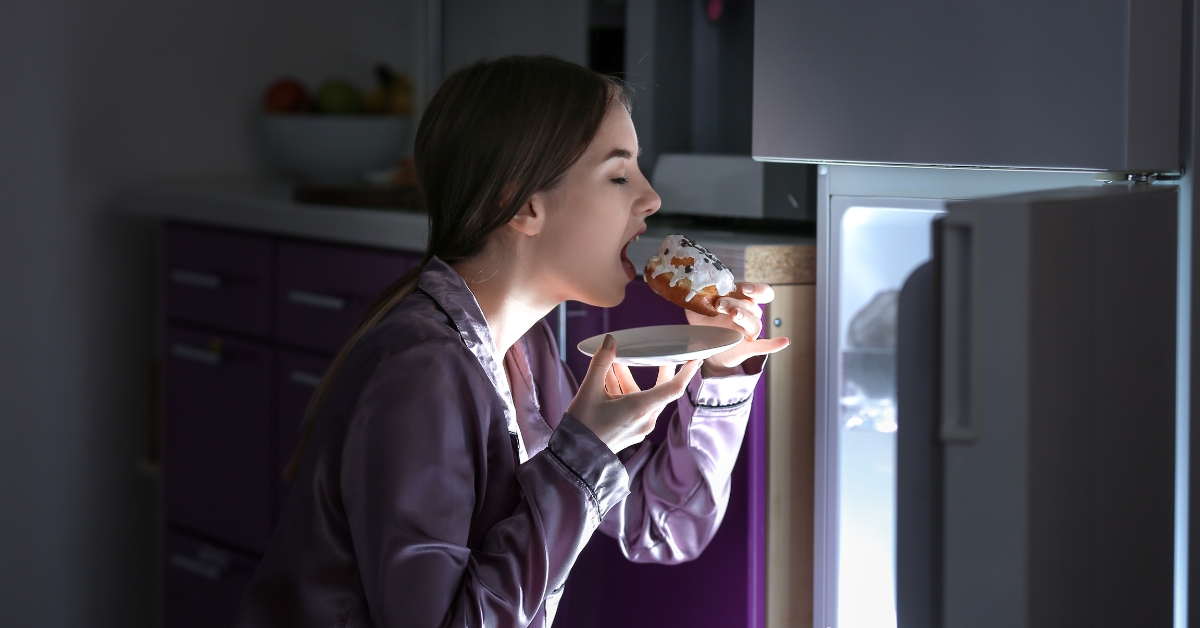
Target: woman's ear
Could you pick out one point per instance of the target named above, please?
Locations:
(531, 218)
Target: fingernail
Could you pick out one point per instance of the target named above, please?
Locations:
(608, 341)
(747, 288)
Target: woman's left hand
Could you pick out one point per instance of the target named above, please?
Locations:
(743, 313)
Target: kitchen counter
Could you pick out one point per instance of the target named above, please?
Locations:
(269, 208)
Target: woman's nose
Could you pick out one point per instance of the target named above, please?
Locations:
(650, 201)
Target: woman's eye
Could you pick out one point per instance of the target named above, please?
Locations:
(620, 180)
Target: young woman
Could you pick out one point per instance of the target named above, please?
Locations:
(452, 470)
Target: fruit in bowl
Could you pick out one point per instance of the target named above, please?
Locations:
(394, 95)
(337, 96)
(287, 95)
(340, 134)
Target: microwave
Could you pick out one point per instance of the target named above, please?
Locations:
(735, 186)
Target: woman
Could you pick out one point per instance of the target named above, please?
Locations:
(452, 470)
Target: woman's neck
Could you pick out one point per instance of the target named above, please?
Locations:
(512, 300)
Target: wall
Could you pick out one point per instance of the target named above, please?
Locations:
(100, 97)
(476, 29)
(690, 79)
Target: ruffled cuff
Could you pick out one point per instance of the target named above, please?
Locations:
(591, 461)
(729, 393)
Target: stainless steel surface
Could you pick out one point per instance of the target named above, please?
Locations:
(709, 185)
(1061, 511)
(918, 188)
(1075, 84)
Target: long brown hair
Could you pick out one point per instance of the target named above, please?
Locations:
(494, 134)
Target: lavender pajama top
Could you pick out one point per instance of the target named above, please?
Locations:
(433, 495)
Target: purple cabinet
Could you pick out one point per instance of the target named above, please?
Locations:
(252, 323)
(324, 290)
(218, 435)
(298, 376)
(219, 278)
(723, 588)
(202, 584)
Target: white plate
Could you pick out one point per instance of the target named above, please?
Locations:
(665, 344)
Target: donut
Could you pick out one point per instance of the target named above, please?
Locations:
(688, 275)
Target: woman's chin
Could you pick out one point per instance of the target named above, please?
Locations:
(611, 295)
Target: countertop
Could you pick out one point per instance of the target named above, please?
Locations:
(269, 208)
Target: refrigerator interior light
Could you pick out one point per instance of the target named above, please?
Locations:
(879, 247)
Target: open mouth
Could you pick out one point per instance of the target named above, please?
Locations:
(630, 269)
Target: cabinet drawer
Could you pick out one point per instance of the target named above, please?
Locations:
(218, 434)
(324, 290)
(203, 584)
(298, 376)
(219, 278)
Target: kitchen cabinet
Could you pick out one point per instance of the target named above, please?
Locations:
(324, 290)
(202, 583)
(1071, 84)
(296, 380)
(252, 322)
(219, 278)
(217, 433)
(791, 397)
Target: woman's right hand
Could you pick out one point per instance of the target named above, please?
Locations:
(611, 405)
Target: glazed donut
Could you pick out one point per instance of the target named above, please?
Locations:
(688, 275)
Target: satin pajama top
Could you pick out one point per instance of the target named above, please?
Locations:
(431, 494)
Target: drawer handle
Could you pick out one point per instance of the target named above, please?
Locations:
(195, 279)
(196, 566)
(304, 378)
(316, 299)
(196, 354)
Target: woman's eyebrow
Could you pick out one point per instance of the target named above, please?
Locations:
(619, 153)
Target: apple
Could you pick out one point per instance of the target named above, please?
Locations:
(287, 95)
(339, 97)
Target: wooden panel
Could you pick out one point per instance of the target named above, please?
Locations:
(791, 388)
(781, 264)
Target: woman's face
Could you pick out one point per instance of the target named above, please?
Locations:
(597, 209)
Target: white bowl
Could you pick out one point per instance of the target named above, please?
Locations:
(336, 148)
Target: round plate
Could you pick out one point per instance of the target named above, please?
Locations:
(665, 344)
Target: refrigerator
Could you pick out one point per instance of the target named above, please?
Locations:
(1004, 254)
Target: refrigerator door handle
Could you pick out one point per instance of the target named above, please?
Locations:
(959, 421)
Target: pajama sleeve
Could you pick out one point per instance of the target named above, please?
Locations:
(413, 476)
(679, 489)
